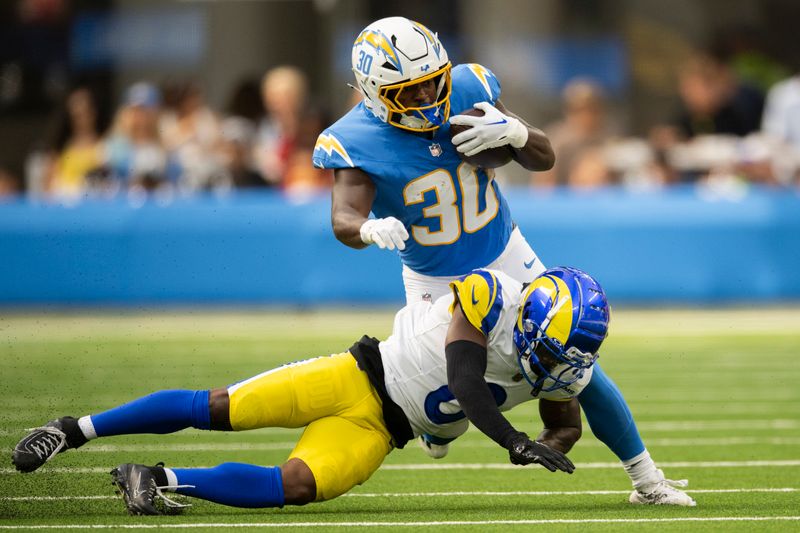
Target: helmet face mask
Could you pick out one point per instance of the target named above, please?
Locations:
(423, 117)
(391, 58)
(561, 324)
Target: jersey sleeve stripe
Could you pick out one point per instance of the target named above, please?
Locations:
(330, 145)
(481, 298)
(491, 318)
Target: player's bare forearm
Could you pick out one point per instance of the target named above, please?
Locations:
(537, 154)
(561, 439)
(346, 225)
(562, 424)
(351, 202)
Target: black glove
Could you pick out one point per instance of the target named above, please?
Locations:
(524, 451)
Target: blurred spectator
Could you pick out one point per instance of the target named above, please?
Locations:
(234, 156)
(135, 156)
(190, 131)
(742, 47)
(9, 184)
(284, 91)
(578, 139)
(782, 112)
(286, 137)
(245, 101)
(714, 101)
(76, 149)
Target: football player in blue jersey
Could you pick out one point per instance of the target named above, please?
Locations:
(490, 345)
(393, 156)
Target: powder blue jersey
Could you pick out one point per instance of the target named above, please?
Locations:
(455, 214)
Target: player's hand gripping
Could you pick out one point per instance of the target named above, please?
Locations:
(524, 451)
(385, 233)
(491, 130)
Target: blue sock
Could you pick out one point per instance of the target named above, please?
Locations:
(235, 484)
(609, 416)
(161, 412)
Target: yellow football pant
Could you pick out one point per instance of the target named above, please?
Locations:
(345, 439)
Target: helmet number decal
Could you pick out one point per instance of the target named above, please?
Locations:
(447, 214)
(364, 62)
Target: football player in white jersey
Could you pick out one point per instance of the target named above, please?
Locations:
(392, 156)
(464, 359)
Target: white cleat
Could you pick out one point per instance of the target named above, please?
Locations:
(436, 451)
(663, 492)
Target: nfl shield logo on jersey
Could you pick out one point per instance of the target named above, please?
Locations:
(436, 149)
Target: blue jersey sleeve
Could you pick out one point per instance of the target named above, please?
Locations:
(330, 152)
(473, 83)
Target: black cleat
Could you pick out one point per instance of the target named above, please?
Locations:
(42, 444)
(142, 495)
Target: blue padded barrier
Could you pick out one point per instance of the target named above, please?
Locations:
(257, 248)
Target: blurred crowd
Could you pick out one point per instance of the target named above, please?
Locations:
(730, 130)
(166, 141)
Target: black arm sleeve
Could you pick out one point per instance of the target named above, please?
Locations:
(466, 364)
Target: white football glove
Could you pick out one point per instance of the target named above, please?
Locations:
(385, 233)
(491, 130)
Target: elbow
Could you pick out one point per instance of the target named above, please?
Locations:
(545, 159)
(548, 161)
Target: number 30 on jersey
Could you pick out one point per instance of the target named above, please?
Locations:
(446, 208)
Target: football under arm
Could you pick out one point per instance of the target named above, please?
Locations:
(562, 424)
(351, 201)
(537, 154)
(465, 351)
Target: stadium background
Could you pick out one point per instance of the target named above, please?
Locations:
(704, 218)
(113, 285)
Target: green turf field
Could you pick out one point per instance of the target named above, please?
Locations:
(715, 394)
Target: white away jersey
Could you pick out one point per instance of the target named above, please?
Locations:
(414, 361)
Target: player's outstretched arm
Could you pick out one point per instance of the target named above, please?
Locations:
(352, 197)
(353, 194)
(562, 424)
(465, 350)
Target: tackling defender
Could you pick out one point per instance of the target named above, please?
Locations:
(392, 155)
(491, 345)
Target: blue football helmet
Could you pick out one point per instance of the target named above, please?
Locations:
(560, 327)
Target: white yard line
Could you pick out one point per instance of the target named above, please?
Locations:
(470, 466)
(227, 525)
(440, 494)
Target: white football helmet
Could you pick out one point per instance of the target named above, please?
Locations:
(392, 55)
